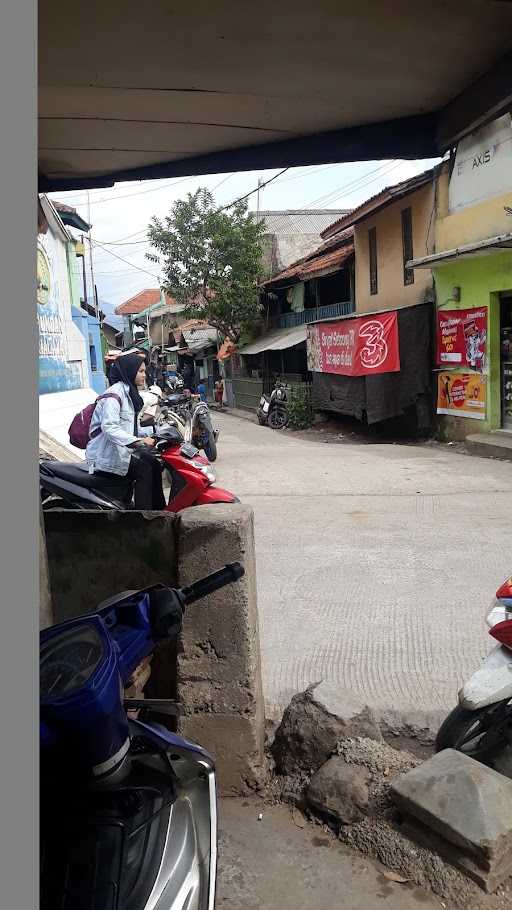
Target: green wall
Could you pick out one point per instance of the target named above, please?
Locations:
(480, 280)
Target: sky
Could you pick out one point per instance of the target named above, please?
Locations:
(119, 215)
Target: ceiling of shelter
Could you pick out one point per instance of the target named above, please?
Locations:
(162, 88)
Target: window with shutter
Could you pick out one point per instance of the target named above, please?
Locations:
(407, 244)
(372, 245)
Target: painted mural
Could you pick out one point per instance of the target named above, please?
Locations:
(57, 371)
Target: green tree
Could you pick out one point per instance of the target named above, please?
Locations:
(211, 261)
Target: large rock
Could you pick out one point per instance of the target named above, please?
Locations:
(314, 722)
(468, 807)
(339, 790)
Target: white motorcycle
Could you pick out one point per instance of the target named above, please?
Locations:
(481, 724)
(186, 412)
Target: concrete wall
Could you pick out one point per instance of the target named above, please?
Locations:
(93, 555)
(477, 222)
(45, 602)
(63, 353)
(392, 293)
(217, 676)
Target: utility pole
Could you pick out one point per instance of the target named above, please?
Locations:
(95, 294)
(260, 181)
(84, 273)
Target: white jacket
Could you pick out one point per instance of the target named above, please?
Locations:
(108, 450)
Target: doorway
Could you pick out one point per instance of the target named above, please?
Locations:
(506, 359)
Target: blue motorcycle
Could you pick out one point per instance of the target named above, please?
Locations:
(128, 808)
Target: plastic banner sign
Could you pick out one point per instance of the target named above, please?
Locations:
(462, 338)
(462, 394)
(355, 347)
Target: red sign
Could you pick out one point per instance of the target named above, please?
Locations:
(355, 347)
(462, 338)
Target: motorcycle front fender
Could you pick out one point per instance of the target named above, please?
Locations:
(215, 494)
(491, 683)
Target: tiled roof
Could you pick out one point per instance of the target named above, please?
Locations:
(142, 301)
(325, 260)
(389, 194)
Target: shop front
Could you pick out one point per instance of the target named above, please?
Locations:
(375, 367)
(280, 354)
(474, 339)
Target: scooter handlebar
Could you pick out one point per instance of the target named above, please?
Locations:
(226, 576)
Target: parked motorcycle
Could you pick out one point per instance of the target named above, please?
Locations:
(128, 809)
(273, 409)
(187, 413)
(481, 724)
(192, 480)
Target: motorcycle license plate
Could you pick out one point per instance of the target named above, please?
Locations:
(265, 407)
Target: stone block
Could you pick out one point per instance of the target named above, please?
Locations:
(314, 722)
(233, 742)
(488, 877)
(468, 805)
(339, 790)
(219, 673)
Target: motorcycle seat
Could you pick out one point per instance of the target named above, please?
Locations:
(79, 474)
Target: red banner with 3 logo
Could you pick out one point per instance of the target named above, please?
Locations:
(355, 347)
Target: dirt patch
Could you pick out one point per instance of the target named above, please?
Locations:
(409, 743)
(379, 835)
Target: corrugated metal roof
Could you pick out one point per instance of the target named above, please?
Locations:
(388, 194)
(200, 337)
(299, 221)
(276, 341)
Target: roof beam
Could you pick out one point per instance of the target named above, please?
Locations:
(487, 98)
(409, 137)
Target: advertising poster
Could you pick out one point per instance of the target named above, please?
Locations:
(462, 338)
(355, 347)
(462, 394)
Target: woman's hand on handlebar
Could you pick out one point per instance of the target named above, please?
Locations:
(148, 441)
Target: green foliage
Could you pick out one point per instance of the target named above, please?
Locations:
(300, 407)
(211, 261)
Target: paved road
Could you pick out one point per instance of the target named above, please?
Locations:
(375, 562)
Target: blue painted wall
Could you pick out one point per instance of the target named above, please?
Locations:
(89, 326)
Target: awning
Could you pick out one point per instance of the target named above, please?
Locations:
(469, 250)
(276, 341)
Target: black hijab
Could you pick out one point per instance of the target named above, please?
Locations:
(125, 370)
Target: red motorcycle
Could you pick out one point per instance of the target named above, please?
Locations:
(192, 480)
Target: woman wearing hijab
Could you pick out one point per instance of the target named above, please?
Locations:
(111, 450)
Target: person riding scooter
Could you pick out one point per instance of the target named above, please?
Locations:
(115, 433)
